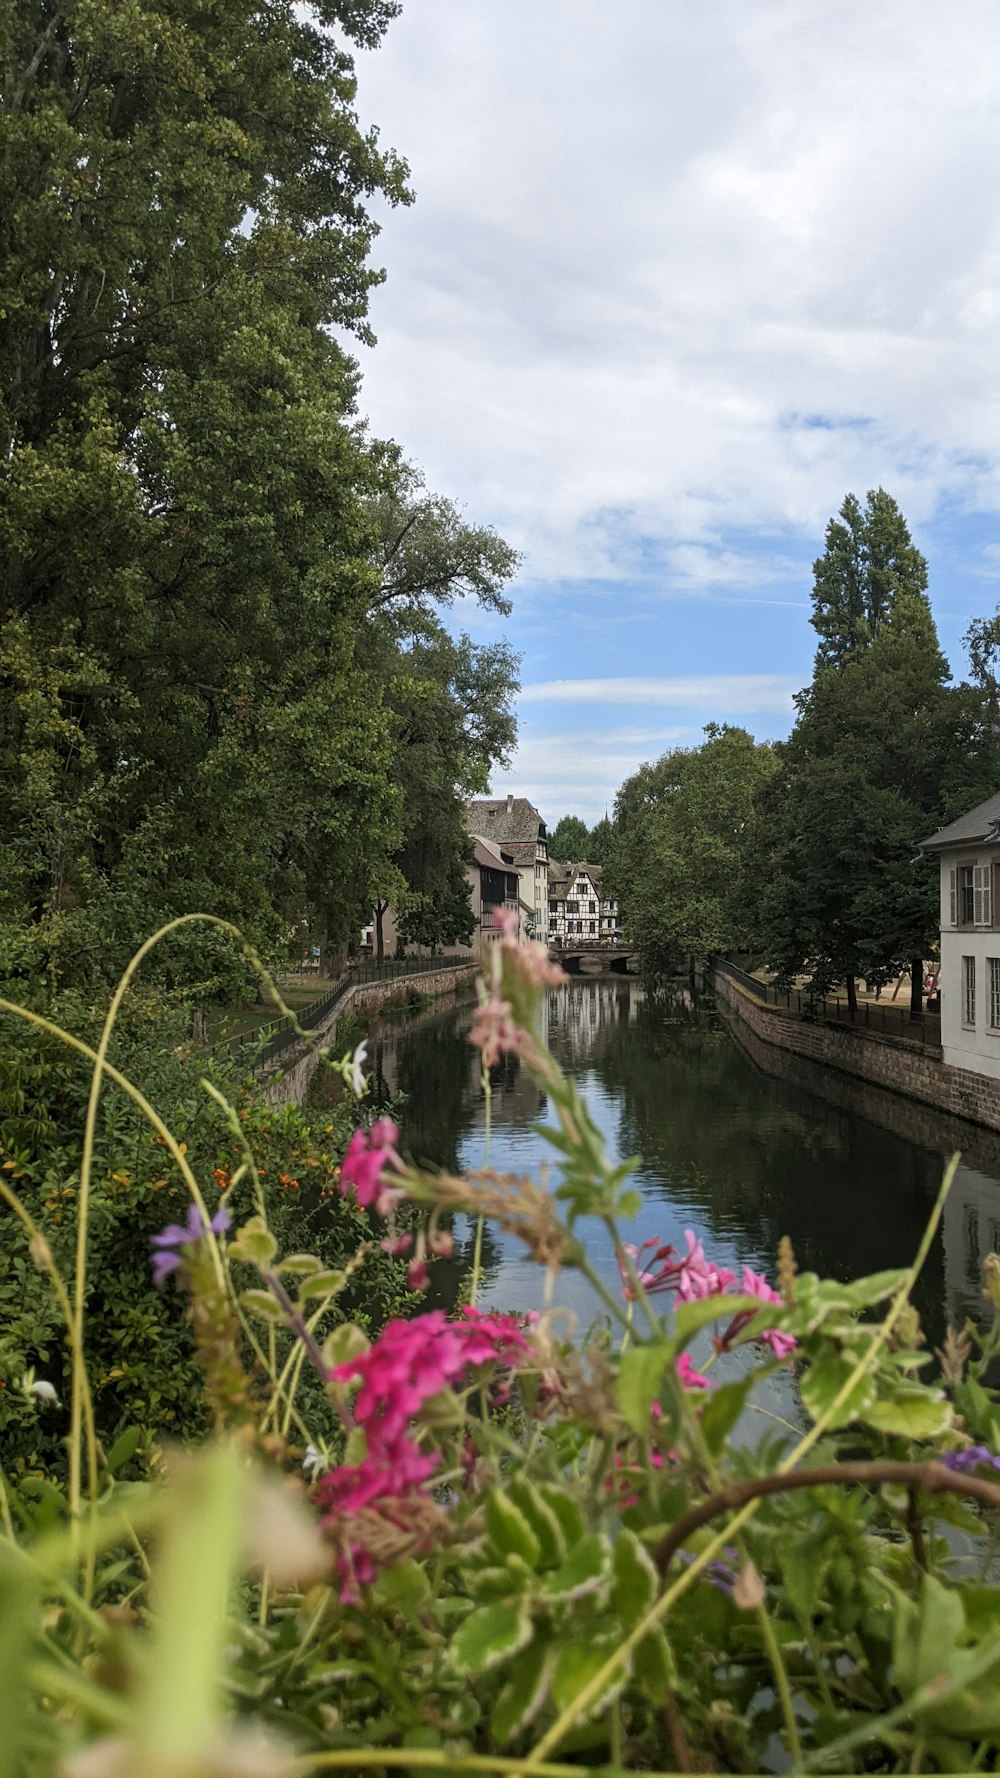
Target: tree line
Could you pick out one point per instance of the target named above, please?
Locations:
(225, 681)
(804, 852)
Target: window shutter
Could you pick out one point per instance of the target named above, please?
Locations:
(980, 895)
(954, 898)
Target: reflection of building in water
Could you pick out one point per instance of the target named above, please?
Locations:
(970, 1229)
(580, 1013)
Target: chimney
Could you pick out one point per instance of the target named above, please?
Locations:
(510, 802)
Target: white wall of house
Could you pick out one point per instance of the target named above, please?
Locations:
(970, 959)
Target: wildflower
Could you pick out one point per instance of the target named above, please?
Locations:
(38, 1386)
(168, 1245)
(755, 1284)
(354, 1071)
(369, 1152)
(973, 1457)
(495, 1032)
(506, 920)
(396, 1245)
(688, 1376)
(689, 1274)
(417, 1275)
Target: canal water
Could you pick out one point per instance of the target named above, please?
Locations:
(740, 1144)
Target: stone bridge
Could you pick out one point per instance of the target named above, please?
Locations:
(596, 960)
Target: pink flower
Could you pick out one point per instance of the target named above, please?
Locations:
(755, 1284)
(396, 1245)
(408, 1363)
(494, 1031)
(368, 1154)
(689, 1377)
(689, 1274)
(507, 921)
(417, 1275)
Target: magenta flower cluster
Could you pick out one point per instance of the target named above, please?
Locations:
(370, 1155)
(691, 1278)
(408, 1363)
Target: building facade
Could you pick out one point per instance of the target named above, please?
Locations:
(968, 851)
(514, 824)
(579, 911)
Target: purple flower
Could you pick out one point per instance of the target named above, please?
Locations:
(168, 1244)
(973, 1457)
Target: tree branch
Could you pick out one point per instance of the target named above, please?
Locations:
(932, 1478)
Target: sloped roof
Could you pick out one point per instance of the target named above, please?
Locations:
(564, 877)
(981, 826)
(505, 819)
(489, 855)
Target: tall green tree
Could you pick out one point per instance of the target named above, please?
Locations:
(569, 841)
(681, 851)
(600, 841)
(884, 750)
(186, 542)
(868, 562)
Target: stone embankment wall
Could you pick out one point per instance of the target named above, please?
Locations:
(916, 1070)
(289, 1083)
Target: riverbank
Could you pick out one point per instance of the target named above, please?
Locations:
(290, 1080)
(914, 1070)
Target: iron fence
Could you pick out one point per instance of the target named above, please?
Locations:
(271, 1040)
(804, 1003)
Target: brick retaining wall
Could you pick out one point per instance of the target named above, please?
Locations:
(913, 1069)
(290, 1083)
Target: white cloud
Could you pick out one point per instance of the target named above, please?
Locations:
(654, 244)
(728, 693)
(578, 771)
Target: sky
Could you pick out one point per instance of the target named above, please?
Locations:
(677, 278)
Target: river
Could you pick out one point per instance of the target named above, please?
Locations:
(741, 1153)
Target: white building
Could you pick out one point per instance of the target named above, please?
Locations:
(515, 825)
(579, 911)
(969, 851)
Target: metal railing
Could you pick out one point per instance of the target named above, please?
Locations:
(803, 1003)
(270, 1040)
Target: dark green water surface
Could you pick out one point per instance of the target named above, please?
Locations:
(743, 1145)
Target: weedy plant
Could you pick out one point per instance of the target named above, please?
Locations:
(476, 1544)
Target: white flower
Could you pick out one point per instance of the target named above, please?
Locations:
(42, 1389)
(354, 1068)
(315, 1462)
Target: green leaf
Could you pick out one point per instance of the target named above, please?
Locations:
(635, 1580)
(690, 1318)
(405, 1588)
(640, 1373)
(524, 1692)
(721, 1411)
(344, 1343)
(299, 1265)
(910, 1411)
(823, 1381)
(541, 1517)
(925, 1634)
(864, 1291)
(654, 1668)
(566, 1509)
(585, 1571)
(804, 1562)
(508, 1530)
(254, 1243)
(489, 1637)
(321, 1284)
(577, 1665)
(262, 1304)
(123, 1449)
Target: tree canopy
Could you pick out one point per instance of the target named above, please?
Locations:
(569, 841)
(681, 853)
(219, 590)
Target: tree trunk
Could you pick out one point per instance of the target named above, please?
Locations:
(916, 987)
(380, 907)
(852, 998)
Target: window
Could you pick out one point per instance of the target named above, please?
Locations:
(968, 990)
(971, 896)
(993, 965)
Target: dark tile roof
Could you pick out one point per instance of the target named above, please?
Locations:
(505, 819)
(492, 858)
(980, 826)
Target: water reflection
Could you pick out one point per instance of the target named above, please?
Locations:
(737, 1141)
